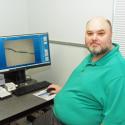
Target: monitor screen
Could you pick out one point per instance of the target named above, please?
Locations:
(21, 49)
(22, 52)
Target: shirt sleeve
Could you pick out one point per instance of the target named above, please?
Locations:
(114, 107)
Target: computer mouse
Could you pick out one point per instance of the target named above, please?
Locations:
(50, 89)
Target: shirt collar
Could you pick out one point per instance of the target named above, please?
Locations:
(105, 58)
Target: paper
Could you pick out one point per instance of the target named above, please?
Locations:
(44, 95)
(2, 80)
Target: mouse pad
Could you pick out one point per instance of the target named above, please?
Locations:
(44, 95)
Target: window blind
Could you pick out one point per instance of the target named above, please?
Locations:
(119, 24)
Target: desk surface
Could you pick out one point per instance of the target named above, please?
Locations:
(18, 106)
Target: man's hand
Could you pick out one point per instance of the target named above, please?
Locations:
(54, 88)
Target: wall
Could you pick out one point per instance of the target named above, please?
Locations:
(64, 60)
(65, 19)
(13, 17)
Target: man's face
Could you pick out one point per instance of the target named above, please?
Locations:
(98, 36)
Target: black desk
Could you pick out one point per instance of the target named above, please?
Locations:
(15, 107)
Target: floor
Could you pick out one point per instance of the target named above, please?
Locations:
(22, 121)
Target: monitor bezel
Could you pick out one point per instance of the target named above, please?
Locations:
(30, 65)
(23, 68)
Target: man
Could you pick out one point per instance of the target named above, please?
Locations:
(94, 93)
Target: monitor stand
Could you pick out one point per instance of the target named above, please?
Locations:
(18, 77)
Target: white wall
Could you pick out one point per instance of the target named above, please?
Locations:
(64, 60)
(13, 17)
(65, 19)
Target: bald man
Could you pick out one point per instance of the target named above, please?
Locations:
(94, 93)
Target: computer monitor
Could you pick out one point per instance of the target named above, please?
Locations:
(21, 52)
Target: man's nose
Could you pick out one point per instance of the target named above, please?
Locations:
(94, 37)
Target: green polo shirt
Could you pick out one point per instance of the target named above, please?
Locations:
(94, 93)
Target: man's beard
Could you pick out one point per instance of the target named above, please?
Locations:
(98, 52)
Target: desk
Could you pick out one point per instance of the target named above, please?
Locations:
(15, 107)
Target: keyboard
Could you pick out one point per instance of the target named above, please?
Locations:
(30, 88)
